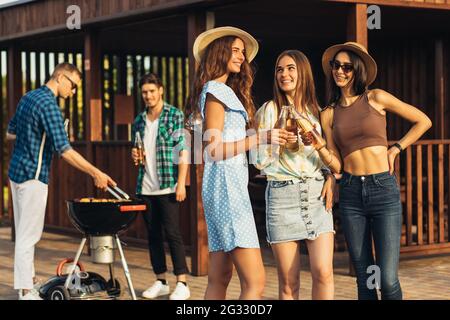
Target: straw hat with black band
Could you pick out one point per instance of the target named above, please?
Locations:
(205, 38)
(359, 49)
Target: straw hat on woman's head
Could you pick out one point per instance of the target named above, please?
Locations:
(205, 38)
(358, 49)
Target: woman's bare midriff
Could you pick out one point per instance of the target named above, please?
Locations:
(367, 161)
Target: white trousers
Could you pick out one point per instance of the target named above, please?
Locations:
(29, 202)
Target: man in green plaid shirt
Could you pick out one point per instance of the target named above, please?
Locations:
(170, 138)
(162, 184)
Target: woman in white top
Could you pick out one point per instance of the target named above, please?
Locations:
(299, 193)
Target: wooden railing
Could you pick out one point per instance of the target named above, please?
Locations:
(423, 174)
(423, 171)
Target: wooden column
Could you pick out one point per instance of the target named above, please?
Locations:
(439, 121)
(14, 93)
(357, 24)
(93, 101)
(199, 241)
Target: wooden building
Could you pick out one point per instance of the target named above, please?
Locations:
(119, 40)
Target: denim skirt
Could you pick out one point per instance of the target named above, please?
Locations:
(295, 212)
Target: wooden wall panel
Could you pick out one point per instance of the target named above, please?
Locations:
(66, 183)
(406, 69)
(113, 158)
(428, 4)
(28, 17)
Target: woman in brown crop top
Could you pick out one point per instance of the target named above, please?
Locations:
(350, 70)
(354, 124)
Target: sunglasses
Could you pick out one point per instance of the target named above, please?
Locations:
(74, 85)
(346, 67)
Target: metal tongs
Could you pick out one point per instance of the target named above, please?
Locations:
(115, 190)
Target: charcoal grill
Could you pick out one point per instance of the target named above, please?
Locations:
(102, 222)
(103, 218)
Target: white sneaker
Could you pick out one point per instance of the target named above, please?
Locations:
(31, 295)
(156, 290)
(181, 292)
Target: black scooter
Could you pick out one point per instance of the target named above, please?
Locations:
(83, 285)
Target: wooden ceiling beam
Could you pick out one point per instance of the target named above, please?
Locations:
(400, 3)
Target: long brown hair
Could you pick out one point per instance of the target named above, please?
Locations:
(305, 91)
(213, 65)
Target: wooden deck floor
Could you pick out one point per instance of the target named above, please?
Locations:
(424, 278)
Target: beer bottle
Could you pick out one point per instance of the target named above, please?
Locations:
(291, 126)
(308, 128)
(139, 145)
(282, 122)
(282, 119)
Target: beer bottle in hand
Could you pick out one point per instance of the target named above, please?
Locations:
(291, 126)
(307, 127)
(282, 123)
(139, 145)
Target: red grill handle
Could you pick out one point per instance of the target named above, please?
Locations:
(135, 207)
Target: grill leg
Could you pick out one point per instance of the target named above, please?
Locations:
(74, 265)
(111, 272)
(125, 268)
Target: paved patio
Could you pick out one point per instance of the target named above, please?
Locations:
(421, 278)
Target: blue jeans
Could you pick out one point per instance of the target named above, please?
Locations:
(370, 206)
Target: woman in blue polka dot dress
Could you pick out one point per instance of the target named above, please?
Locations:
(222, 93)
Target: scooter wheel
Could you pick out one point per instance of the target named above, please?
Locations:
(58, 293)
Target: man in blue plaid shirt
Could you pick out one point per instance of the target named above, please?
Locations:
(38, 130)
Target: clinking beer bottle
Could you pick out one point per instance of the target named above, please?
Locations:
(139, 145)
(282, 119)
(282, 122)
(307, 127)
(292, 126)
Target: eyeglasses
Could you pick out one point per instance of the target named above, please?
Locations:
(346, 67)
(74, 85)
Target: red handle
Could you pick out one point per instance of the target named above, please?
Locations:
(62, 264)
(136, 207)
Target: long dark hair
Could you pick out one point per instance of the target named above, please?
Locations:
(305, 91)
(359, 84)
(213, 65)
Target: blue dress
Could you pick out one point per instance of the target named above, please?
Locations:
(226, 202)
